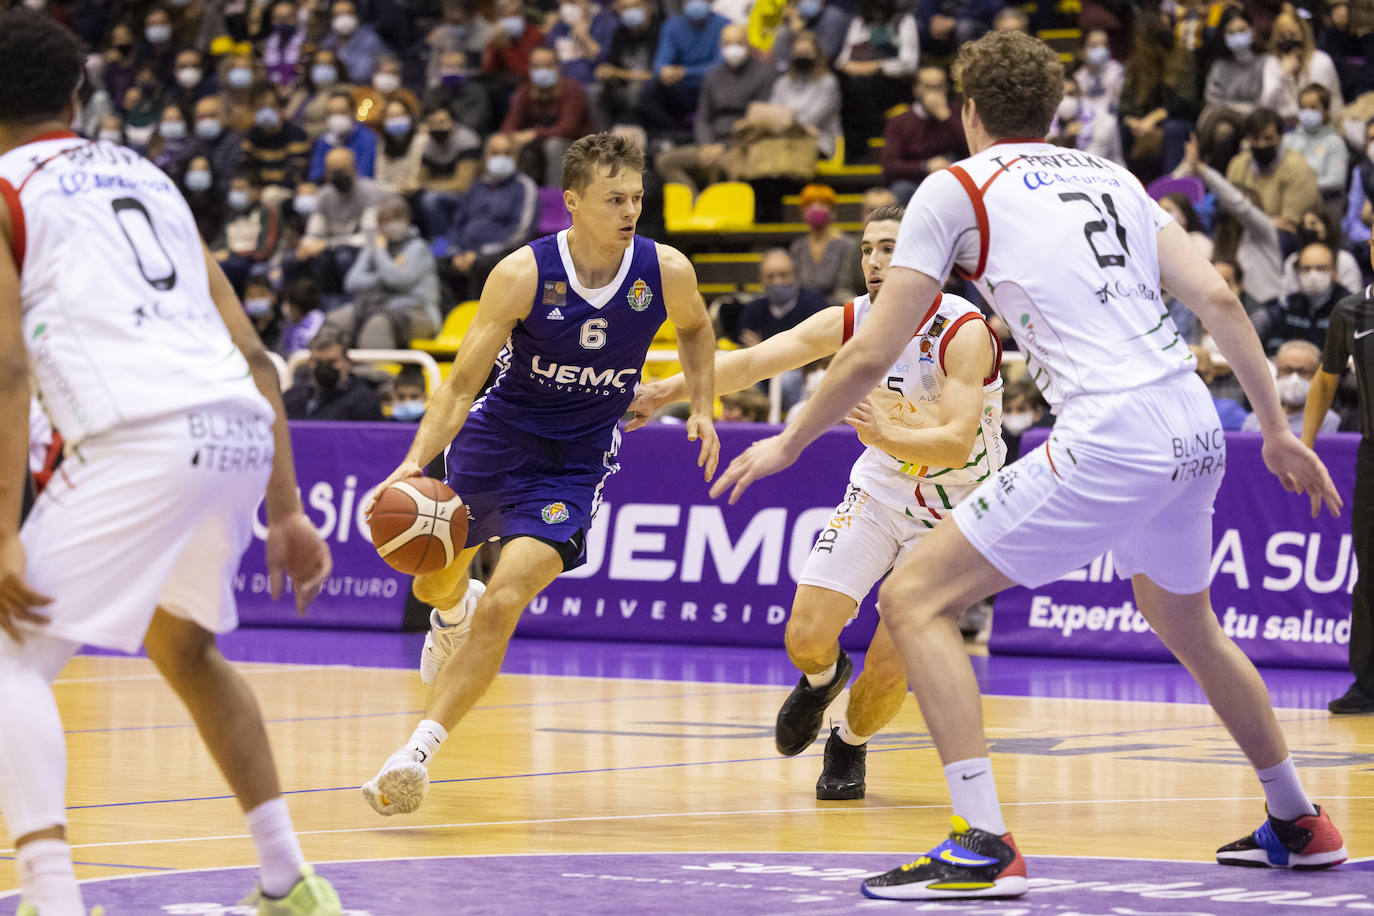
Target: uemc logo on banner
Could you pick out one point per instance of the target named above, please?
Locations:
(662, 542)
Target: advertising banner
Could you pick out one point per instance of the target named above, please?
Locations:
(1281, 580)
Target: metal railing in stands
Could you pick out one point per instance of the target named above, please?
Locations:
(426, 363)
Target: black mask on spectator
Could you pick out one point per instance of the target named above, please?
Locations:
(124, 48)
(1264, 155)
(342, 181)
(327, 377)
(804, 64)
(439, 136)
(1288, 46)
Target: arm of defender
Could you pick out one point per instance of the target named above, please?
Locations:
(506, 299)
(293, 545)
(1187, 276)
(906, 304)
(816, 337)
(696, 347)
(969, 360)
(16, 597)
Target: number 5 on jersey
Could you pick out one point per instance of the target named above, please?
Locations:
(594, 333)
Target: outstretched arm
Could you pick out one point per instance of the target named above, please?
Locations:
(969, 359)
(696, 346)
(506, 299)
(816, 337)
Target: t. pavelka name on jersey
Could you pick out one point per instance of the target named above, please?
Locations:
(570, 368)
(1038, 170)
(76, 181)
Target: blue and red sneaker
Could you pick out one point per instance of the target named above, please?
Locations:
(971, 863)
(1305, 843)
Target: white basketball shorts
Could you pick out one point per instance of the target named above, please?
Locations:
(152, 515)
(1135, 473)
(866, 537)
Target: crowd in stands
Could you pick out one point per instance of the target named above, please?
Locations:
(359, 166)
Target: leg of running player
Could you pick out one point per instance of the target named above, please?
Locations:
(878, 691)
(812, 639)
(921, 601)
(444, 590)
(526, 568)
(230, 723)
(453, 596)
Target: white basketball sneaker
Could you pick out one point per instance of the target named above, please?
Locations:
(400, 786)
(443, 639)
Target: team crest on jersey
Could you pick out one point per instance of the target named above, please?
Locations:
(937, 326)
(554, 513)
(640, 295)
(555, 292)
(925, 350)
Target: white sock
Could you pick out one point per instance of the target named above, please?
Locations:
(1283, 793)
(823, 678)
(460, 611)
(47, 877)
(279, 852)
(425, 741)
(848, 736)
(974, 794)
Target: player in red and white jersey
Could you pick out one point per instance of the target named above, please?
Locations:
(933, 433)
(1072, 255)
(166, 400)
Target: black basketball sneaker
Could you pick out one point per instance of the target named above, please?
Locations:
(971, 863)
(842, 775)
(799, 719)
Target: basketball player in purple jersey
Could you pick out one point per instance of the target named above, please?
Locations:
(576, 313)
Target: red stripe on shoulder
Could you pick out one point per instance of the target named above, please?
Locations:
(848, 331)
(996, 344)
(18, 232)
(980, 213)
(949, 334)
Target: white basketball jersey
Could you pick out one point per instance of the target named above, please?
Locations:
(1063, 245)
(910, 395)
(116, 305)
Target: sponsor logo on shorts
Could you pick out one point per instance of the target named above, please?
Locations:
(554, 513)
(854, 501)
(1200, 455)
(640, 295)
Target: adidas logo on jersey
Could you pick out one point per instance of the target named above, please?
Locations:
(555, 315)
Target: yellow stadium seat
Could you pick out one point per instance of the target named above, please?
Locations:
(724, 206)
(677, 207)
(451, 334)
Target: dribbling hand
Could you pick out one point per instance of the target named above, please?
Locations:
(17, 599)
(647, 402)
(406, 471)
(702, 427)
(1300, 471)
(765, 457)
(296, 549)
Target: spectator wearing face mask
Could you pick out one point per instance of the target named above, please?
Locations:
(260, 303)
(275, 151)
(157, 49)
(495, 217)
(1304, 315)
(1284, 182)
(828, 22)
(342, 130)
(331, 391)
(281, 49)
(580, 39)
(1295, 63)
(1295, 363)
(1359, 205)
(462, 94)
(393, 285)
(1319, 143)
(824, 258)
(309, 101)
(1099, 81)
(1023, 407)
(506, 59)
(811, 92)
(400, 157)
(689, 46)
(172, 145)
(627, 67)
(408, 395)
(1318, 227)
(237, 79)
(370, 101)
(252, 233)
(783, 306)
(876, 66)
(190, 83)
(120, 67)
(738, 81)
(345, 219)
(215, 141)
(358, 45)
(451, 160)
(205, 196)
(1236, 77)
(549, 111)
(301, 316)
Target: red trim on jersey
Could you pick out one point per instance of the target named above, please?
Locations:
(980, 213)
(848, 331)
(18, 233)
(1051, 457)
(1019, 140)
(996, 355)
(939, 297)
(51, 135)
(921, 501)
(50, 459)
(949, 335)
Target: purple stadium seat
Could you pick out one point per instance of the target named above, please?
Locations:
(1190, 186)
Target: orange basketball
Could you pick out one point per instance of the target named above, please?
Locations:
(419, 525)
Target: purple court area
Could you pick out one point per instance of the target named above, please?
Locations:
(746, 883)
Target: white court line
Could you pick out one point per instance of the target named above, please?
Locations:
(669, 814)
(672, 852)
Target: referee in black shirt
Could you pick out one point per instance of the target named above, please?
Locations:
(1351, 334)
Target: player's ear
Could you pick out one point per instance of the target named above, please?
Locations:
(572, 200)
